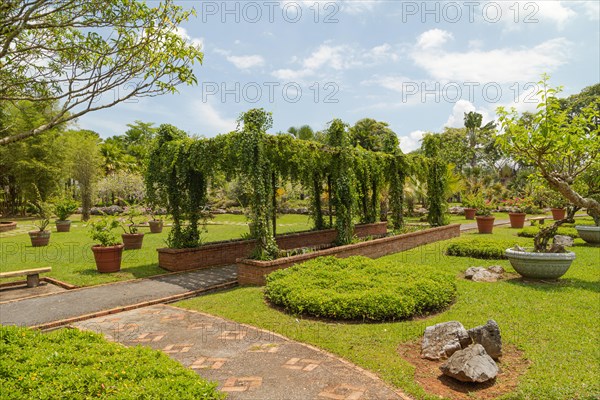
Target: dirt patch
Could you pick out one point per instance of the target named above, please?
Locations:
(427, 373)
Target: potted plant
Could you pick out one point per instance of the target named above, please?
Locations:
(469, 203)
(558, 210)
(156, 224)
(109, 250)
(518, 209)
(543, 261)
(64, 208)
(132, 238)
(485, 219)
(43, 212)
(590, 233)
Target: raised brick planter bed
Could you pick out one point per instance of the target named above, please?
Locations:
(225, 253)
(6, 226)
(253, 272)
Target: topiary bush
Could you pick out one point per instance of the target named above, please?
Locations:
(532, 231)
(483, 248)
(70, 364)
(359, 288)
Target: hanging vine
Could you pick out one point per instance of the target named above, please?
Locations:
(437, 182)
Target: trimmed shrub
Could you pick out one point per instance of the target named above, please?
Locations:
(70, 364)
(359, 288)
(483, 248)
(531, 231)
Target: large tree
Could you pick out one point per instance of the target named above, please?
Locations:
(562, 142)
(90, 54)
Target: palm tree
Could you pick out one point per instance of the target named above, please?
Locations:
(475, 132)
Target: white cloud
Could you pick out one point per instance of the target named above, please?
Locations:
(210, 120)
(182, 32)
(433, 38)
(518, 14)
(498, 65)
(590, 8)
(331, 8)
(337, 58)
(456, 119)
(412, 141)
(242, 62)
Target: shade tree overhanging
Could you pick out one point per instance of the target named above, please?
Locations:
(90, 55)
(180, 169)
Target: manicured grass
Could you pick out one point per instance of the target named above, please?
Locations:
(69, 364)
(72, 261)
(555, 324)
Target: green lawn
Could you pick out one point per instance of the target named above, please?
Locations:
(72, 261)
(554, 324)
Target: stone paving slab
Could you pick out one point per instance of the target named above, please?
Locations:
(248, 363)
(78, 302)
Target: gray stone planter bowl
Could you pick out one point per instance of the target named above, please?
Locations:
(540, 265)
(589, 233)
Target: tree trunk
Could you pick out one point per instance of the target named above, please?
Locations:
(567, 191)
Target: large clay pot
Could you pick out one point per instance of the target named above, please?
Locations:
(470, 213)
(132, 241)
(517, 220)
(589, 233)
(108, 259)
(540, 265)
(155, 226)
(485, 224)
(558, 213)
(63, 226)
(39, 238)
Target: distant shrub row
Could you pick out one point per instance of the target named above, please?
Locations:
(70, 364)
(531, 231)
(359, 288)
(483, 248)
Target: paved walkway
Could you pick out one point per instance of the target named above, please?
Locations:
(59, 308)
(248, 363)
(473, 225)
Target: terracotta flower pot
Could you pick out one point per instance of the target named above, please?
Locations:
(39, 238)
(558, 213)
(517, 220)
(485, 224)
(132, 241)
(108, 259)
(155, 226)
(63, 226)
(470, 213)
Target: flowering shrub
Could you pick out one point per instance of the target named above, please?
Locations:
(521, 205)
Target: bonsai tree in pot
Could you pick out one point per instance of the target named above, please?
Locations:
(561, 141)
(132, 238)
(485, 219)
(64, 208)
(43, 212)
(156, 223)
(109, 250)
(518, 209)
(469, 202)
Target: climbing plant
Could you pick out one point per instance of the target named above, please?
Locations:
(396, 174)
(437, 182)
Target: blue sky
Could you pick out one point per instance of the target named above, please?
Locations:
(416, 65)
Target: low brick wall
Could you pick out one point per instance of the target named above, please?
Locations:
(6, 226)
(226, 253)
(253, 272)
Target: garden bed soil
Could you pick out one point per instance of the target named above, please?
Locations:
(254, 272)
(512, 365)
(6, 226)
(226, 253)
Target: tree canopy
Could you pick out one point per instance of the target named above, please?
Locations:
(90, 55)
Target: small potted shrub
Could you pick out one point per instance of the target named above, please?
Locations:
(519, 207)
(109, 250)
(63, 209)
(156, 224)
(557, 207)
(485, 219)
(469, 203)
(43, 212)
(132, 238)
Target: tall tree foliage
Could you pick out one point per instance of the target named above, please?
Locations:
(90, 55)
(563, 143)
(437, 182)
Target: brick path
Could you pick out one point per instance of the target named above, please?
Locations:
(248, 363)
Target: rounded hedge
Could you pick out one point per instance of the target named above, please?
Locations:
(359, 288)
(482, 248)
(565, 230)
